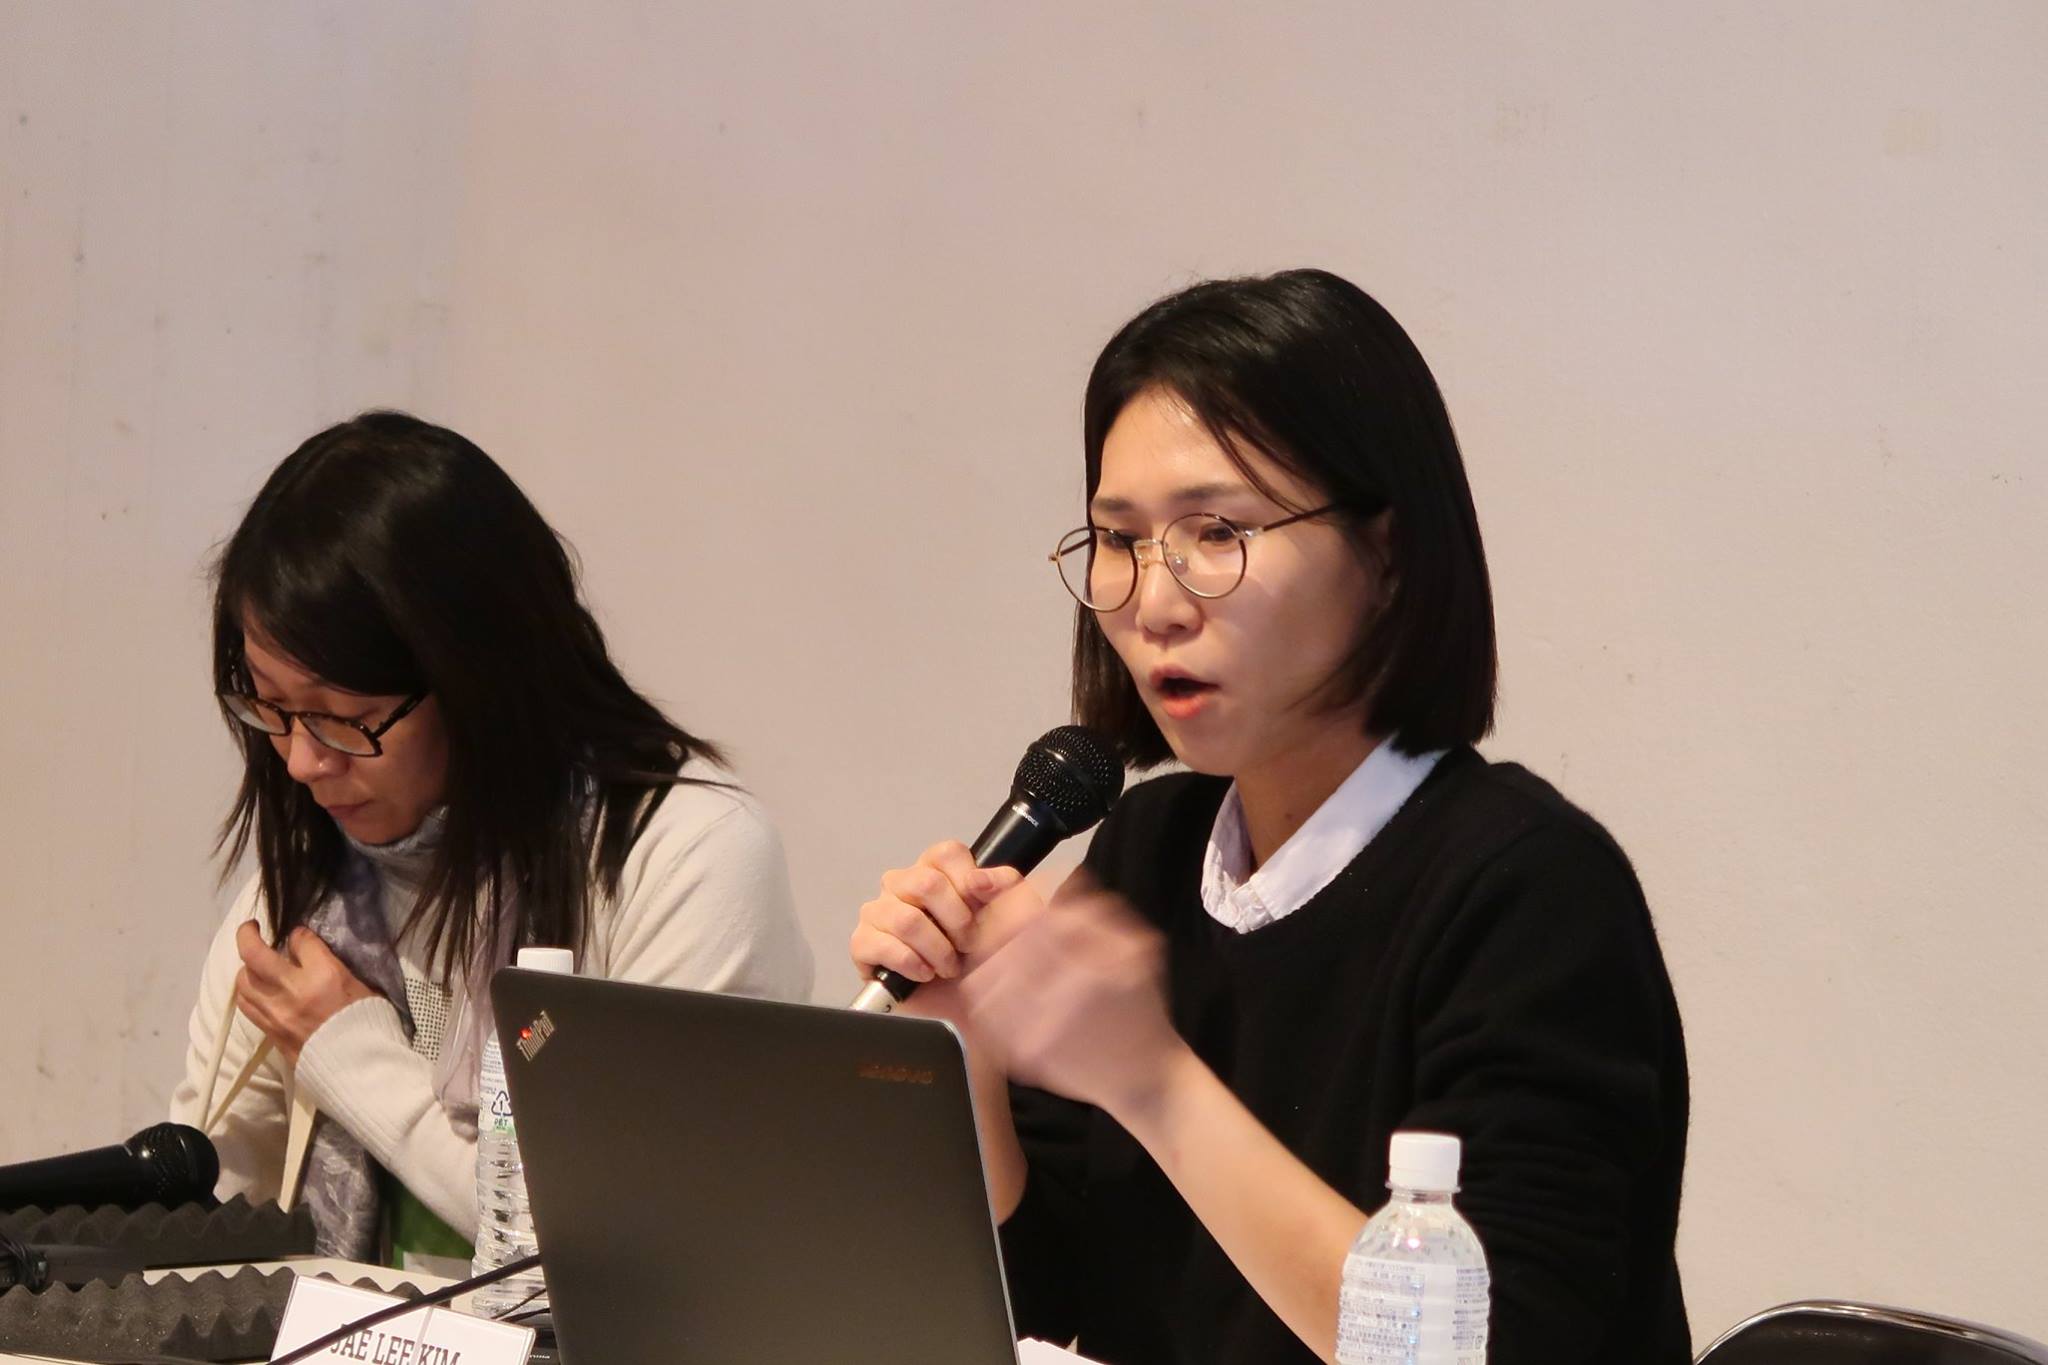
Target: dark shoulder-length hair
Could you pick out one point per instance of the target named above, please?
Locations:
(1307, 369)
(389, 556)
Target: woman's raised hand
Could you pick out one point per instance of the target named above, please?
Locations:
(926, 923)
(289, 994)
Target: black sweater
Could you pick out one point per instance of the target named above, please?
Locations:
(1485, 967)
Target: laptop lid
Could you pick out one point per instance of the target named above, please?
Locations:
(717, 1180)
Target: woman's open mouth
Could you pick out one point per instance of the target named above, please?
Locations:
(1181, 696)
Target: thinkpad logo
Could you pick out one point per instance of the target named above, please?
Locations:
(535, 1035)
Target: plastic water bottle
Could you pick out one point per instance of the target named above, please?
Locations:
(504, 1229)
(1415, 1288)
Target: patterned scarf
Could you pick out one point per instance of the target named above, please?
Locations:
(357, 921)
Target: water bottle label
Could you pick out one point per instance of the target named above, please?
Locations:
(1396, 1310)
(493, 1098)
(1468, 1323)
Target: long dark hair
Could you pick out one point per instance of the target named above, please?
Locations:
(1308, 369)
(388, 556)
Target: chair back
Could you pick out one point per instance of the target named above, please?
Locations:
(1822, 1332)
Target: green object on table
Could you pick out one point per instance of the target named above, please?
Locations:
(412, 1227)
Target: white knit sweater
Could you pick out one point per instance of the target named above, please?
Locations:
(704, 902)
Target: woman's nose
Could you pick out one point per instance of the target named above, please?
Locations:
(306, 758)
(1163, 606)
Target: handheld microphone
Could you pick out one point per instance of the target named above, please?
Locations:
(166, 1163)
(1065, 783)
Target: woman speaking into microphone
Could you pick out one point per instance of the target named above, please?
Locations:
(1342, 922)
(441, 764)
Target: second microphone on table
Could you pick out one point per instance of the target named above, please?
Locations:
(167, 1163)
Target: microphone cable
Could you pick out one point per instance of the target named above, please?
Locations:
(20, 1263)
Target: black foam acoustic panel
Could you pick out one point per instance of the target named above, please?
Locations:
(191, 1234)
(211, 1316)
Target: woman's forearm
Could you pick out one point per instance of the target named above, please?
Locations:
(1002, 1156)
(1284, 1229)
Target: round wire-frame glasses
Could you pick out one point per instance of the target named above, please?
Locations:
(1204, 552)
(338, 733)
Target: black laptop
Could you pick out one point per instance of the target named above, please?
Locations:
(717, 1180)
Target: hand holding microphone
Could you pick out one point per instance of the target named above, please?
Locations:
(1069, 996)
(918, 928)
(921, 926)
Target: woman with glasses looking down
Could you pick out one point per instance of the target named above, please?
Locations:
(1341, 923)
(441, 764)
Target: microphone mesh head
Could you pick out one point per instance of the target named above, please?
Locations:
(1072, 774)
(182, 1162)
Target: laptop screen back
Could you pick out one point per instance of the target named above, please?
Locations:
(720, 1180)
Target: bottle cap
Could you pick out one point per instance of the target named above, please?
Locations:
(1423, 1161)
(558, 960)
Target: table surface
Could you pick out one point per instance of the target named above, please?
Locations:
(348, 1272)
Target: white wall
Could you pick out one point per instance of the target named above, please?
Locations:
(783, 315)
(221, 225)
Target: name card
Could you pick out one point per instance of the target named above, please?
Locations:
(430, 1336)
(1032, 1351)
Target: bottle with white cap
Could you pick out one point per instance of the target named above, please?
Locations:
(504, 1230)
(1415, 1289)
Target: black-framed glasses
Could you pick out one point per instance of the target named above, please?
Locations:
(1205, 554)
(338, 733)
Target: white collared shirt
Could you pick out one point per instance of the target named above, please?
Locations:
(1310, 860)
